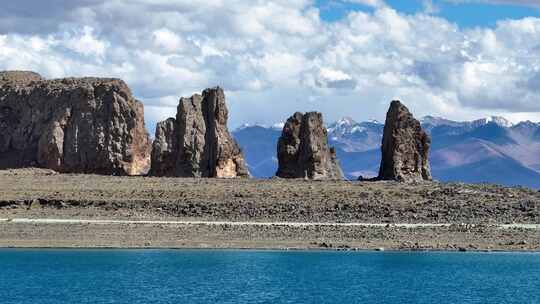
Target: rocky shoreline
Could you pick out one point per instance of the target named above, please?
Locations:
(280, 237)
(470, 215)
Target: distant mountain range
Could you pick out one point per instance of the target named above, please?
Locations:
(487, 150)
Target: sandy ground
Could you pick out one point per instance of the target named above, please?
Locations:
(39, 208)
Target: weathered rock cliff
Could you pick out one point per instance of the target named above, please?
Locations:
(164, 149)
(303, 150)
(405, 147)
(197, 143)
(80, 125)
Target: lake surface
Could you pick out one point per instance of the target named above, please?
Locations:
(189, 276)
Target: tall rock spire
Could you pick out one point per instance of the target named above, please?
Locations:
(303, 150)
(405, 147)
(197, 143)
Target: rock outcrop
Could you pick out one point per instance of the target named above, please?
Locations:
(197, 143)
(405, 147)
(303, 150)
(77, 125)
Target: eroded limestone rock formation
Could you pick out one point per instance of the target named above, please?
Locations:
(405, 147)
(197, 143)
(79, 125)
(303, 150)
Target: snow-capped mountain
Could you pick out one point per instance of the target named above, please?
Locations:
(276, 126)
(430, 122)
(352, 136)
(484, 150)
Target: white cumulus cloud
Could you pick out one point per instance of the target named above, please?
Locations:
(276, 57)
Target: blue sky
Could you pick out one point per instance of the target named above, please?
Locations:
(468, 14)
(460, 59)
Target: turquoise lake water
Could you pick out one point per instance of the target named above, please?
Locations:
(189, 276)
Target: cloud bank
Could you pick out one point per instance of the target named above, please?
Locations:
(276, 57)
